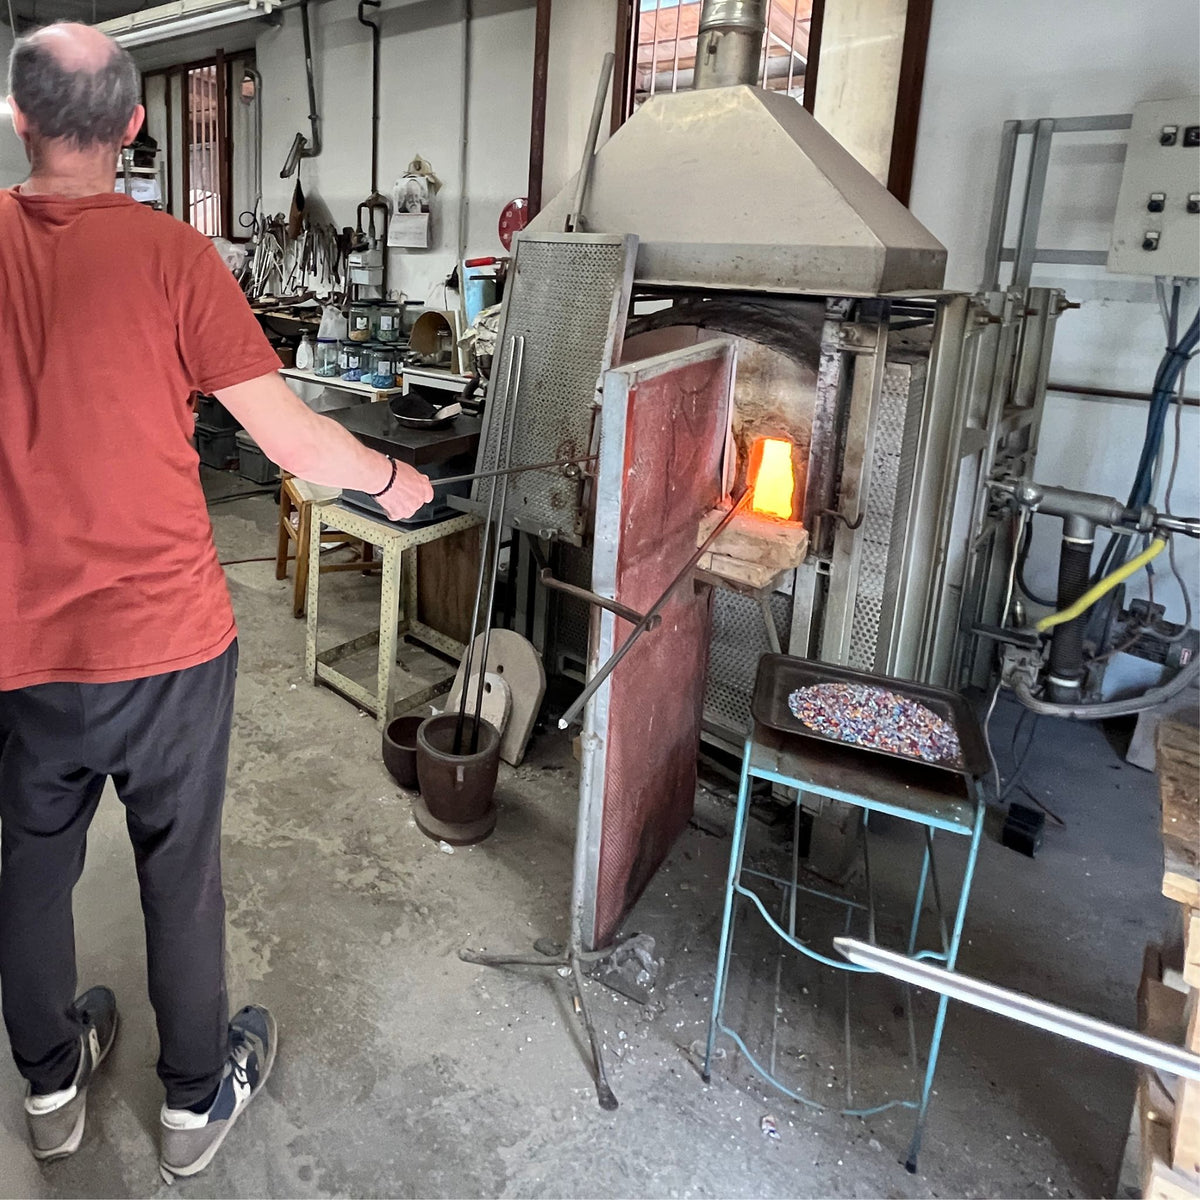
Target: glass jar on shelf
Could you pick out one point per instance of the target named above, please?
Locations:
(388, 323)
(325, 364)
(380, 365)
(361, 321)
(350, 355)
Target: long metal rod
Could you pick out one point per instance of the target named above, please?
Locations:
(502, 444)
(575, 220)
(468, 654)
(613, 606)
(606, 670)
(1113, 1039)
(542, 466)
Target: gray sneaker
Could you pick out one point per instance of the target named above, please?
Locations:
(56, 1120)
(191, 1140)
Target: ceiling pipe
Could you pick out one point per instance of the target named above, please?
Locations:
(729, 45)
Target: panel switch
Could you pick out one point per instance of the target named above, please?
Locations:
(1191, 135)
(1157, 202)
(1193, 203)
(1169, 135)
(1150, 240)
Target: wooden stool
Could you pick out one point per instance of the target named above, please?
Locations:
(296, 496)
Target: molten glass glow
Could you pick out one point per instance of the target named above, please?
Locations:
(774, 481)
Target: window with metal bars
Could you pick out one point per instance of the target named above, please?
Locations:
(663, 45)
(206, 149)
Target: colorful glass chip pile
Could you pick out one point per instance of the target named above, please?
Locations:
(860, 714)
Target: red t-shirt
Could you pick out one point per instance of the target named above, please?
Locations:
(111, 315)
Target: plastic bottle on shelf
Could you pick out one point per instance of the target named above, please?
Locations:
(304, 354)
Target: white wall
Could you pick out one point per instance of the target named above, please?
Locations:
(13, 164)
(581, 33)
(989, 62)
(421, 114)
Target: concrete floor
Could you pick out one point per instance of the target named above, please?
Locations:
(404, 1072)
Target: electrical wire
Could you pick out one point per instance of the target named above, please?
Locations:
(1022, 557)
(1178, 350)
(1099, 590)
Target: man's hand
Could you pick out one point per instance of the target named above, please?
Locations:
(409, 492)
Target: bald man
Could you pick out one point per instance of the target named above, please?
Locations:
(118, 648)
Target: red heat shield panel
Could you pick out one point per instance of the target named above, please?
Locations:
(664, 426)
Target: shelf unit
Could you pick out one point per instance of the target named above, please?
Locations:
(338, 384)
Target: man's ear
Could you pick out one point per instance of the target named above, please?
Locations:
(134, 126)
(20, 121)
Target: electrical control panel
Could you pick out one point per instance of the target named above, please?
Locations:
(1156, 230)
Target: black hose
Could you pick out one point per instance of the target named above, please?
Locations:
(1066, 646)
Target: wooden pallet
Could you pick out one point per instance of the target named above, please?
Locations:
(1178, 756)
(1168, 1109)
(1166, 1123)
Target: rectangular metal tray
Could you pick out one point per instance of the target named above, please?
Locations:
(780, 674)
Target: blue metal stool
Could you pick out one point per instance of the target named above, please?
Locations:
(936, 799)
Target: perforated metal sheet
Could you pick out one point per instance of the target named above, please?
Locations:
(885, 519)
(568, 296)
(665, 425)
(739, 640)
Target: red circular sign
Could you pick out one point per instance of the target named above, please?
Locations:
(513, 219)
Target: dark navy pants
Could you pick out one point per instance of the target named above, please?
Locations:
(164, 741)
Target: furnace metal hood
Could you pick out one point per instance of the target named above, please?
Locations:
(736, 187)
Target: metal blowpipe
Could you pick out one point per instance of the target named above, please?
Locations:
(542, 466)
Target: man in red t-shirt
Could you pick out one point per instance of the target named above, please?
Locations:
(117, 642)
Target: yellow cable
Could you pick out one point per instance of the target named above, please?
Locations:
(1105, 585)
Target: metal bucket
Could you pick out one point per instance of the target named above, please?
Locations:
(456, 789)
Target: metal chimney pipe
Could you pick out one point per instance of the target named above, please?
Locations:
(729, 47)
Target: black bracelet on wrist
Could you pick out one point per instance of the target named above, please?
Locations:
(391, 480)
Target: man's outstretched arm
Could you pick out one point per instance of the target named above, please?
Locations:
(318, 449)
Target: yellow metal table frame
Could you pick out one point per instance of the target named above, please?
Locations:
(398, 546)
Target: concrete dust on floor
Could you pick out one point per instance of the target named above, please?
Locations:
(406, 1072)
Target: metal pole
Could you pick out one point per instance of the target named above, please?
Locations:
(510, 414)
(542, 466)
(498, 416)
(606, 670)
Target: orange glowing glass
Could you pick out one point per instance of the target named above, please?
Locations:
(772, 478)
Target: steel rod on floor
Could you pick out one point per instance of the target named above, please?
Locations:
(603, 672)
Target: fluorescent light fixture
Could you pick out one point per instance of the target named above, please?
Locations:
(168, 21)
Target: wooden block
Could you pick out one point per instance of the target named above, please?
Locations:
(1180, 808)
(1181, 872)
(1160, 1009)
(1179, 741)
(1159, 1179)
(447, 571)
(1185, 1127)
(1191, 947)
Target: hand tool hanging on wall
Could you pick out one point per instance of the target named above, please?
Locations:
(303, 147)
